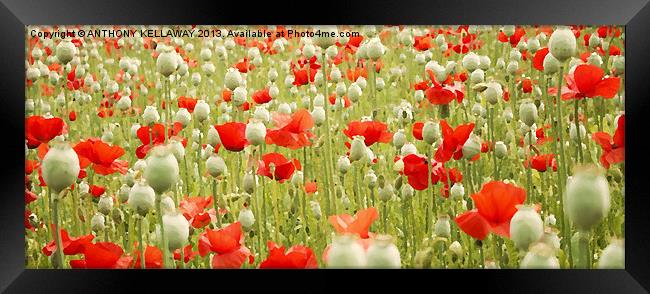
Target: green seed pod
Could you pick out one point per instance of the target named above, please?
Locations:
(540, 256)
(60, 167)
(500, 150)
(357, 149)
(117, 215)
(250, 182)
(246, 218)
(587, 198)
(167, 62)
(162, 169)
(528, 112)
(65, 51)
(177, 230)
(442, 227)
(346, 252)
(386, 193)
(407, 192)
(142, 198)
(430, 132)
(526, 227)
(216, 166)
(382, 253)
(105, 204)
(97, 223)
(471, 148)
(562, 44)
(613, 256)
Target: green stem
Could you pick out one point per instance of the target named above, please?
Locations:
(57, 231)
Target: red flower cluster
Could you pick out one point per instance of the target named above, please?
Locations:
(613, 150)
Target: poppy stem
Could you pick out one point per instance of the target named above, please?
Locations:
(215, 199)
(492, 141)
(141, 241)
(563, 166)
(57, 231)
(163, 245)
(576, 121)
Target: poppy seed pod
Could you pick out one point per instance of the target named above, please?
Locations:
(399, 139)
(232, 79)
(98, 222)
(457, 191)
(162, 169)
(587, 198)
(354, 92)
(442, 227)
(431, 132)
(183, 116)
(477, 76)
(574, 134)
(33, 73)
(177, 230)
(105, 204)
(178, 150)
(315, 210)
(318, 114)
(327, 36)
(216, 166)
(343, 164)
(124, 103)
(123, 193)
(386, 193)
(500, 150)
(613, 256)
(357, 149)
(526, 227)
(374, 49)
(484, 62)
(562, 44)
(405, 37)
(407, 149)
(493, 92)
(346, 252)
(261, 114)
(249, 183)
(528, 112)
(533, 45)
(383, 253)
(297, 178)
(370, 178)
(255, 133)
(456, 249)
(540, 256)
(594, 41)
(167, 62)
(142, 198)
(595, 59)
(150, 115)
(471, 61)
(472, 147)
(167, 205)
(618, 63)
(205, 54)
(60, 167)
(201, 110)
(512, 67)
(501, 63)
(246, 218)
(406, 192)
(65, 51)
(439, 71)
(239, 96)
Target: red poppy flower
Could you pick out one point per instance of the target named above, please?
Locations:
(105, 255)
(613, 150)
(311, 187)
(495, 205)
(354, 74)
(72, 116)
(157, 133)
(102, 156)
(422, 43)
(31, 165)
(452, 141)
(297, 257)
(538, 59)
(587, 81)
(416, 169)
(527, 85)
(152, 257)
(514, 39)
(187, 103)
(30, 197)
(187, 252)
(300, 76)
(40, 130)
(226, 94)
(359, 224)
(292, 130)
(417, 130)
(444, 93)
(71, 246)
(243, 66)
(193, 209)
(541, 162)
(28, 224)
(262, 96)
(372, 131)
(228, 244)
(282, 168)
(97, 191)
(232, 135)
(346, 101)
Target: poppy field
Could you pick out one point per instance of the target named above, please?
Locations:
(343, 147)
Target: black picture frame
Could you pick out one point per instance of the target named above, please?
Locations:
(634, 14)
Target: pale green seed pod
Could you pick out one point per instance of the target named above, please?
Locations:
(346, 252)
(407, 192)
(431, 132)
(232, 79)
(250, 182)
(613, 256)
(471, 148)
(98, 222)
(471, 61)
(60, 167)
(343, 164)
(216, 166)
(255, 133)
(142, 198)
(526, 227)
(105, 204)
(442, 227)
(551, 64)
(587, 198)
(382, 253)
(357, 149)
(399, 139)
(327, 36)
(246, 218)
(540, 256)
(177, 230)
(562, 44)
(65, 51)
(167, 62)
(457, 191)
(374, 49)
(162, 169)
(528, 112)
(500, 150)
(386, 193)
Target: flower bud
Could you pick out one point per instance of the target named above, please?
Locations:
(386, 193)
(60, 167)
(562, 44)
(407, 192)
(142, 198)
(500, 150)
(315, 210)
(574, 134)
(150, 115)
(246, 218)
(162, 169)
(167, 62)
(528, 112)
(232, 79)
(177, 230)
(343, 164)
(442, 227)
(105, 204)
(65, 51)
(346, 252)
(430, 132)
(526, 227)
(613, 256)
(471, 61)
(97, 223)
(540, 256)
(250, 182)
(357, 149)
(370, 178)
(587, 198)
(216, 166)
(255, 133)
(382, 253)
(399, 139)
